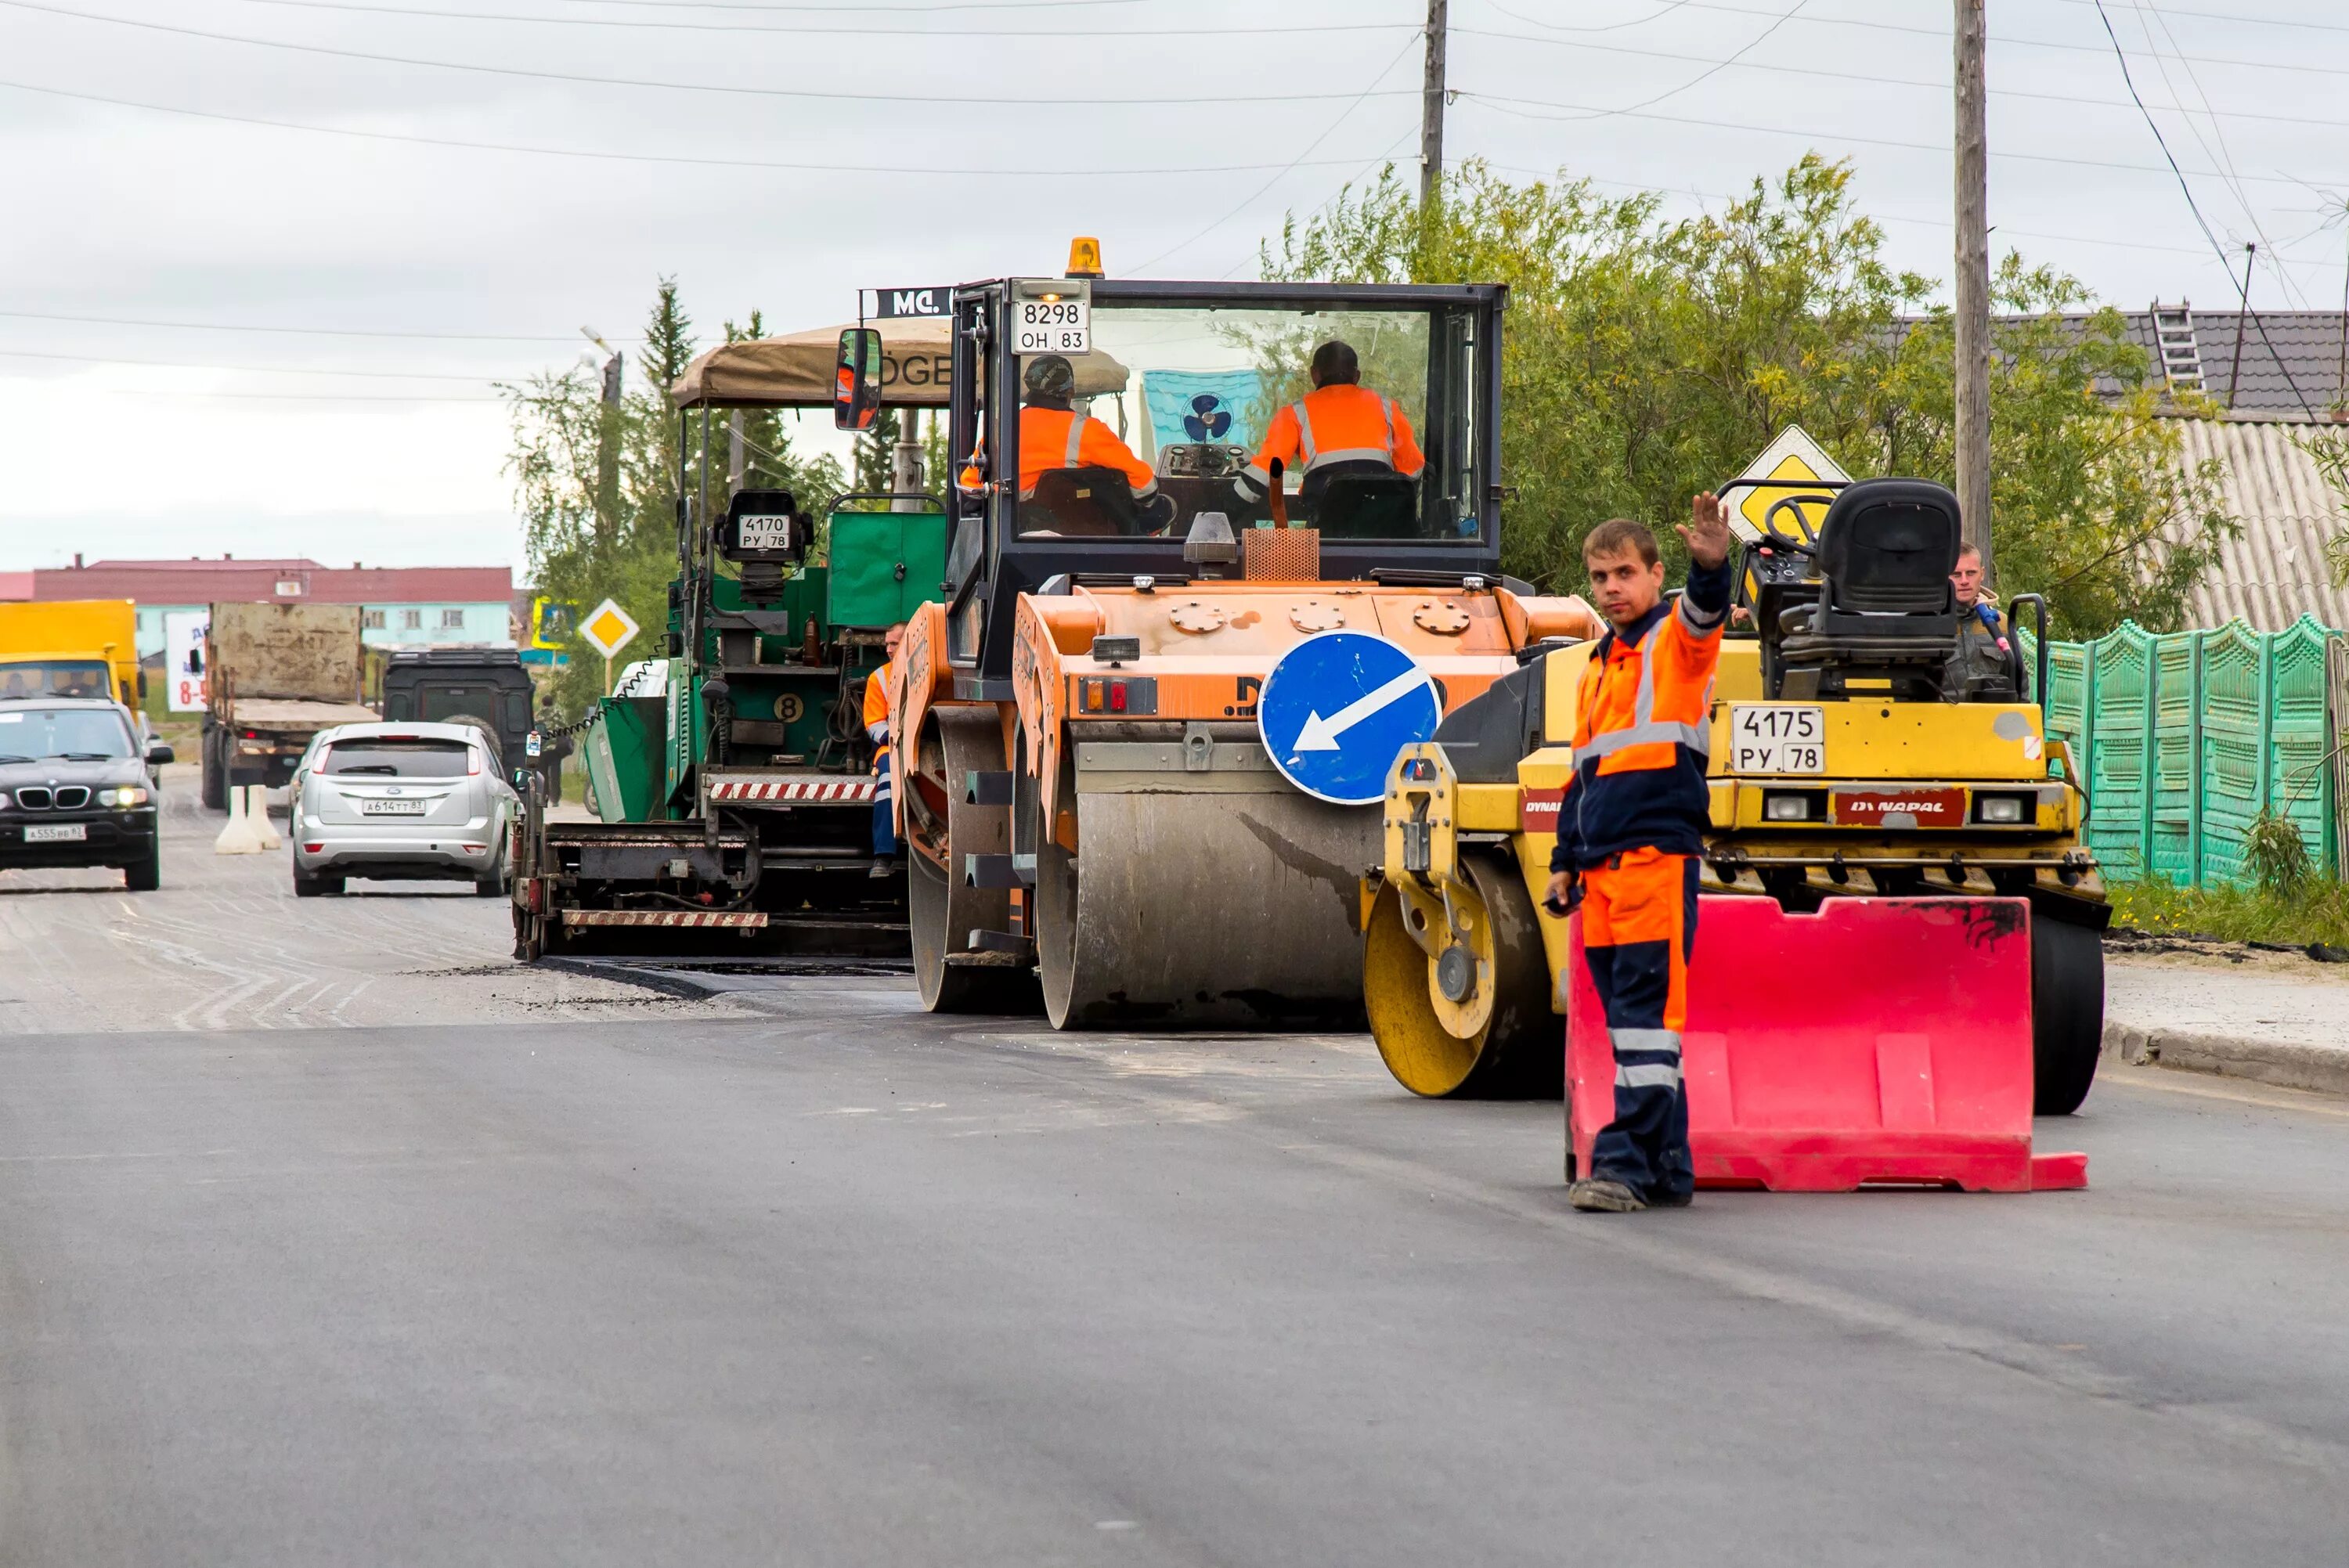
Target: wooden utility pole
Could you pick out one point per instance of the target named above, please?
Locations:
(1431, 107)
(607, 457)
(1973, 285)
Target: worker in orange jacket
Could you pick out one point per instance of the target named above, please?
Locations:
(1053, 435)
(876, 728)
(1339, 422)
(1630, 831)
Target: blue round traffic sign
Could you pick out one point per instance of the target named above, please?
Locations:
(1338, 708)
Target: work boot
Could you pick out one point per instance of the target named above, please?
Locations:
(1598, 1195)
(1665, 1198)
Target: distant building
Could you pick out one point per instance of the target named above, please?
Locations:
(400, 606)
(2280, 377)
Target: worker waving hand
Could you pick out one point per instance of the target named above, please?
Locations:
(1628, 834)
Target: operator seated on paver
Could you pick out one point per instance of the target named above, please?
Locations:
(1983, 665)
(1628, 836)
(1340, 427)
(1053, 435)
(877, 703)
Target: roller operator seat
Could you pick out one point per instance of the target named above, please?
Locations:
(1885, 609)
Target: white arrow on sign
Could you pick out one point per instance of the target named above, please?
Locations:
(1321, 734)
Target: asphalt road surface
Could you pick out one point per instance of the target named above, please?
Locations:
(225, 944)
(842, 1283)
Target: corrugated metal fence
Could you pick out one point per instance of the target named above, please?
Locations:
(2183, 737)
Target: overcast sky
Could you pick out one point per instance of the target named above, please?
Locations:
(265, 257)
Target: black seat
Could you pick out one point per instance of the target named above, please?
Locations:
(1089, 503)
(1885, 610)
(1366, 500)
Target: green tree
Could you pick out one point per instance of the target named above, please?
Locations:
(1647, 359)
(581, 551)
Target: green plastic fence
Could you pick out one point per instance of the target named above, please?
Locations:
(2186, 737)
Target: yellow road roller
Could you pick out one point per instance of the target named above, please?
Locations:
(1851, 755)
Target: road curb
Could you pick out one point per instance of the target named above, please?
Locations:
(2285, 1064)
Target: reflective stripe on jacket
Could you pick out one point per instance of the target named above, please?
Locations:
(876, 719)
(1641, 729)
(1340, 423)
(1060, 438)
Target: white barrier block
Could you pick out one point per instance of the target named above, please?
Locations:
(259, 814)
(240, 836)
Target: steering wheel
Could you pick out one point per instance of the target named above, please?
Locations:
(1809, 543)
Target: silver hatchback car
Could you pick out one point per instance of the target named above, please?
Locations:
(401, 802)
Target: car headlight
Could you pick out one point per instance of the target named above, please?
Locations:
(3, 800)
(127, 795)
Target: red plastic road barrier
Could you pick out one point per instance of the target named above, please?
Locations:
(1878, 1041)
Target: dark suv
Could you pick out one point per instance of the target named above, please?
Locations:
(73, 789)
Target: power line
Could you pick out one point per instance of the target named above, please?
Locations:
(290, 396)
(687, 159)
(1941, 35)
(1351, 106)
(2196, 207)
(1714, 68)
(1028, 100)
(241, 369)
(2004, 229)
(365, 8)
(1611, 26)
(1877, 79)
(303, 331)
(1584, 111)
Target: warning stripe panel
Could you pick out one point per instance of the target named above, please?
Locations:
(842, 792)
(668, 917)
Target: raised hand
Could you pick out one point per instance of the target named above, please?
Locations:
(1707, 532)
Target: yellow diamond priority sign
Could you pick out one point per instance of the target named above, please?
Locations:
(609, 628)
(1788, 467)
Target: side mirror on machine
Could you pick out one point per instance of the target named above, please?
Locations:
(856, 384)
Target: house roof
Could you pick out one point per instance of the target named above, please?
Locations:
(2277, 567)
(223, 579)
(2293, 362)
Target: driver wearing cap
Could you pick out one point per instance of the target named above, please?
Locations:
(1053, 435)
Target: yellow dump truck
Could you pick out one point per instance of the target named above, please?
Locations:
(71, 647)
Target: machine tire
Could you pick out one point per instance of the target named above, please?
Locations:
(215, 785)
(1520, 1051)
(2067, 1013)
(937, 911)
(146, 875)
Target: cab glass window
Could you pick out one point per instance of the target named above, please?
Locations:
(35, 734)
(1179, 411)
(56, 677)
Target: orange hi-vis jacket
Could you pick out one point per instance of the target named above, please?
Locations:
(1062, 439)
(876, 718)
(1641, 731)
(1337, 424)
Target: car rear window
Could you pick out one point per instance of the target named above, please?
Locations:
(396, 759)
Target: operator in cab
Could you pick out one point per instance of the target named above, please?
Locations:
(1629, 835)
(1339, 422)
(1983, 663)
(1053, 435)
